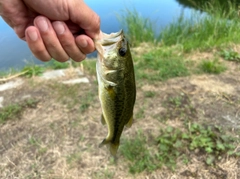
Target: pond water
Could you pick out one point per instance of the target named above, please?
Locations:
(14, 52)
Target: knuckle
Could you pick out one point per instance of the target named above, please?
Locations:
(43, 57)
(38, 51)
(66, 44)
(61, 58)
(79, 58)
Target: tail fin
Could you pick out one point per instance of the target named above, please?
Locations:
(113, 147)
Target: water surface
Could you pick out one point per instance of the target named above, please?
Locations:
(14, 52)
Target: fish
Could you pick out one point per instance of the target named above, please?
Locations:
(116, 86)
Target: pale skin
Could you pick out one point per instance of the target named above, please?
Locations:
(59, 29)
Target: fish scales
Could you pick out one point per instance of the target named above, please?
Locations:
(116, 84)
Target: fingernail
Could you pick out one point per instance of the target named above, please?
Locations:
(83, 43)
(32, 35)
(59, 27)
(42, 24)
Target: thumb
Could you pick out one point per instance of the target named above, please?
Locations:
(86, 18)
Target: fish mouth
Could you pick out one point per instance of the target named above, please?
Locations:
(109, 39)
(107, 42)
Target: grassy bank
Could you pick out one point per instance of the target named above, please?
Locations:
(213, 32)
(215, 28)
(31, 69)
(186, 112)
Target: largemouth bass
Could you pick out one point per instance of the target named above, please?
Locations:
(116, 86)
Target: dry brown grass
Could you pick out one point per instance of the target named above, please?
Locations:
(57, 140)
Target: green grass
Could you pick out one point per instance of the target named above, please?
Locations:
(72, 98)
(104, 173)
(33, 141)
(53, 64)
(137, 153)
(158, 65)
(74, 158)
(140, 114)
(163, 63)
(202, 31)
(230, 55)
(179, 106)
(216, 28)
(149, 94)
(29, 70)
(13, 111)
(89, 66)
(10, 112)
(66, 95)
(175, 144)
(138, 29)
(33, 70)
(170, 147)
(86, 101)
(9, 72)
(208, 140)
(222, 8)
(212, 66)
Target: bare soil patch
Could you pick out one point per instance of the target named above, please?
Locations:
(59, 137)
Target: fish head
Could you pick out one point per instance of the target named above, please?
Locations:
(113, 50)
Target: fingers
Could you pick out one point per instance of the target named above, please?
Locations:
(67, 41)
(75, 47)
(54, 40)
(50, 39)
(43, 41)
(85, 43)
(36, 44)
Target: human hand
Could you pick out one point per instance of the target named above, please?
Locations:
(59, 29)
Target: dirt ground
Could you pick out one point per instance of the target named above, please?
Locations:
(58, 138)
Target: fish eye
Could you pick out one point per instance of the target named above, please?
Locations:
(122, 51)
